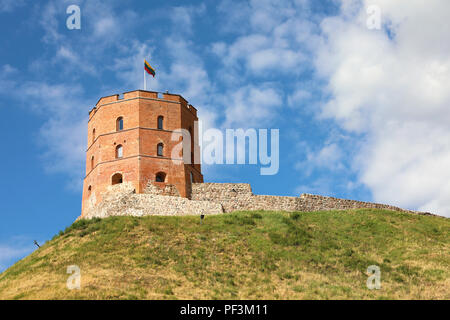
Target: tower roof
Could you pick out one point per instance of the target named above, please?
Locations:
(145, 94)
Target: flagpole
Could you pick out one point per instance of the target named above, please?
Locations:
(145, 82)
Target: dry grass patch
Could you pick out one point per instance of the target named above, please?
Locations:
(243, 255)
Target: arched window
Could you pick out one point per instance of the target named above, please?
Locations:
(119, 124)
(92, 163)
(160, 177)
(116, 178)
(119, 151)
(160, 122)
(93, 135)
(89, 190)
(160, 150)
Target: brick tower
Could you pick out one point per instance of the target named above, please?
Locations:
(130, 142)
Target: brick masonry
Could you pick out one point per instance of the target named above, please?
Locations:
(138, 139)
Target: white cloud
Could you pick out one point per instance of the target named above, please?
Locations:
(298, 97)
(329, 157)
(219, 48)
(104, 26)
(396, 91)
(10, 5)
(6, 84)
(61, 101)
(182, 17)
(7, 69)
(251, 106)
(128, 68)
(62, 135)
(64, 141)
(262, 53)
(10, 253)
(273, 38)
(187, 73)
(49, 22)
(273, 58)
(70, 60)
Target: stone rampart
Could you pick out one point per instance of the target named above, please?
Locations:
(214, 198)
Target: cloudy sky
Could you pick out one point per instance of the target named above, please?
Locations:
(363, 112)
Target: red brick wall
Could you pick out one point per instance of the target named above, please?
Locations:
(139, 139)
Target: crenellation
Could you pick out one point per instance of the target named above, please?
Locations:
(107, 99)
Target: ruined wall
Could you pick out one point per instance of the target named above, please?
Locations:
(123, 201)
(239, 196)
(212, 198)
(162, 189)
(221, 191)
(232, 196)
(310, 202)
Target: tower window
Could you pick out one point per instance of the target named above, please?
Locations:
(89, 190)
(119, 151)
(93, 135)
(160, 149)
(92, 163)
(119, 124)
(116, 178)
(192, 177)
(160, 122)
(160, 177)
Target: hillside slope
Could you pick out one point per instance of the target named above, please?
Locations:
(244, 255)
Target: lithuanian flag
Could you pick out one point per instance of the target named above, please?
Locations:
(149, 68)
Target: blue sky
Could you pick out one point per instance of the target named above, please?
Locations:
(362, 113)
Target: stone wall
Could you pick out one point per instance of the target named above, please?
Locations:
(310, 202)
(239, 196)
(213, 198)
(221, 191)
(129, 203)
(161, 189)
(232, 196)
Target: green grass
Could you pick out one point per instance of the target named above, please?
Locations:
(242, 255)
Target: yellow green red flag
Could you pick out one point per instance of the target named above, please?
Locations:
(149, 68)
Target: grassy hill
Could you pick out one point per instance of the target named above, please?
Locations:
(244, 255)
